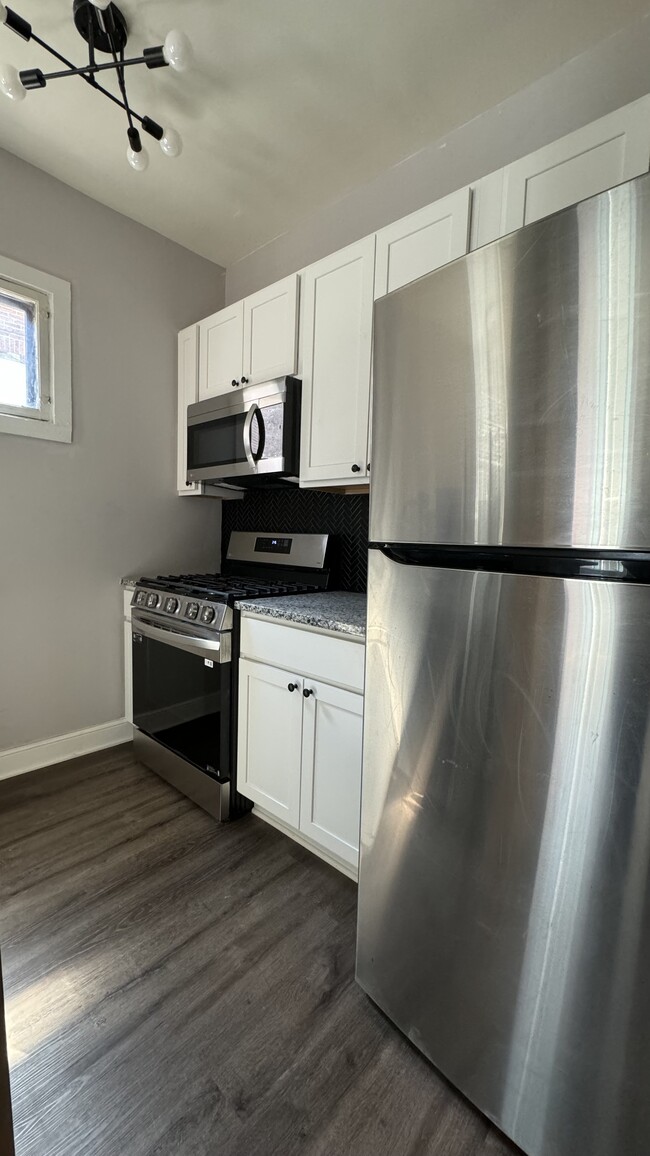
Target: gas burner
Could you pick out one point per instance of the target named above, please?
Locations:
(257, 566)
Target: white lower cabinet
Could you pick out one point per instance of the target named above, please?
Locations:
(270, 739)
(330, 797)
(299, 749)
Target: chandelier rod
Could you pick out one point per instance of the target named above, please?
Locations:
(91, 69)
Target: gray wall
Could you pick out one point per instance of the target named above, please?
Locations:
(75, 518)
(606, 77)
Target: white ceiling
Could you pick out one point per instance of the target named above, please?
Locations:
(291, 103)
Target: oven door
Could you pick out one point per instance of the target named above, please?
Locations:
(253, 433)
(181, 694)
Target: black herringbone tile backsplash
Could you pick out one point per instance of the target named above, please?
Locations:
(290, 510)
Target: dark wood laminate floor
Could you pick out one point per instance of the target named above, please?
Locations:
(179, 988)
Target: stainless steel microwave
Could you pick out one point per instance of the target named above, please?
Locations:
(246, 437)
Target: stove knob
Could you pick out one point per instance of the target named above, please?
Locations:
(207, 615)
(141, 598)
(171, 605)
(153, 601)
(192, 610)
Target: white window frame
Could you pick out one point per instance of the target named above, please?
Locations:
(53, 420)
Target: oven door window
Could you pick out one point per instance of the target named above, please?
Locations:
(183, 703)
(216, 443)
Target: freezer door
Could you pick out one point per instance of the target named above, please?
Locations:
(512, 388)
(504, 900)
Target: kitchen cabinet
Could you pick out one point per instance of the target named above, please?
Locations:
(596, 157)
(271, 331)
(221, 351)
(127, 595)
(336, 365)
(270, 739)
(188, 389)
(300, 736)
(188, 369)
(330, 798)
(422, 242)
(251, 341)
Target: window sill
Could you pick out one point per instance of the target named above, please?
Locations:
(30, 427)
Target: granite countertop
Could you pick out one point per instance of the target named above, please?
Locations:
(336, 610)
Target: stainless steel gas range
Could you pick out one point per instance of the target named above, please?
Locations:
(185, 640)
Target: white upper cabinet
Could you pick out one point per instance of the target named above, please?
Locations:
(337, 352)
(422, 242)
(188, 393)
(597, 157)
(254, 340)
(271, 331)
(188, 384)
(221, 350)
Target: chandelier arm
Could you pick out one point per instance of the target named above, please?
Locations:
(89, 70)
(91, 45)
(122, 84)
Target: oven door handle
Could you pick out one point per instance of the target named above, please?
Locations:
(219, 650)
(252, 459)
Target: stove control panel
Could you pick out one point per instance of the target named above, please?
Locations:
(205, 617)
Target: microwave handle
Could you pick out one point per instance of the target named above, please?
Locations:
(253, 412)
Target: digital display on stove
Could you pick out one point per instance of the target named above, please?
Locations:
(273, 545)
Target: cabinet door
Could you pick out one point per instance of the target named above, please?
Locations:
(269, 739)
(337, 337)
(221, 350)
(331, 769)
(271, 331)
(422, 242)
(188, 387)
(597, 157)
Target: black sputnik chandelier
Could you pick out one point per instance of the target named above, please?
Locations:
(105, 31)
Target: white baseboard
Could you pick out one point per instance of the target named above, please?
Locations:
(19, 760)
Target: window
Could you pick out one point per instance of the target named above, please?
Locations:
(35, 387)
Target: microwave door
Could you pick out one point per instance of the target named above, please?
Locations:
(269, 434)
(215, 444)
(254, 453)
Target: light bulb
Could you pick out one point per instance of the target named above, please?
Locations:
(10, 83)
(177, 50)
(138, 161)
(171, 144)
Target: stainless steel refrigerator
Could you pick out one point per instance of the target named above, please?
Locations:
(504, 894)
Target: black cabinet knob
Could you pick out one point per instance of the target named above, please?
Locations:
(356, 469)
(234, 381)
(244, 381)
(293, 686)
(308, 692)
